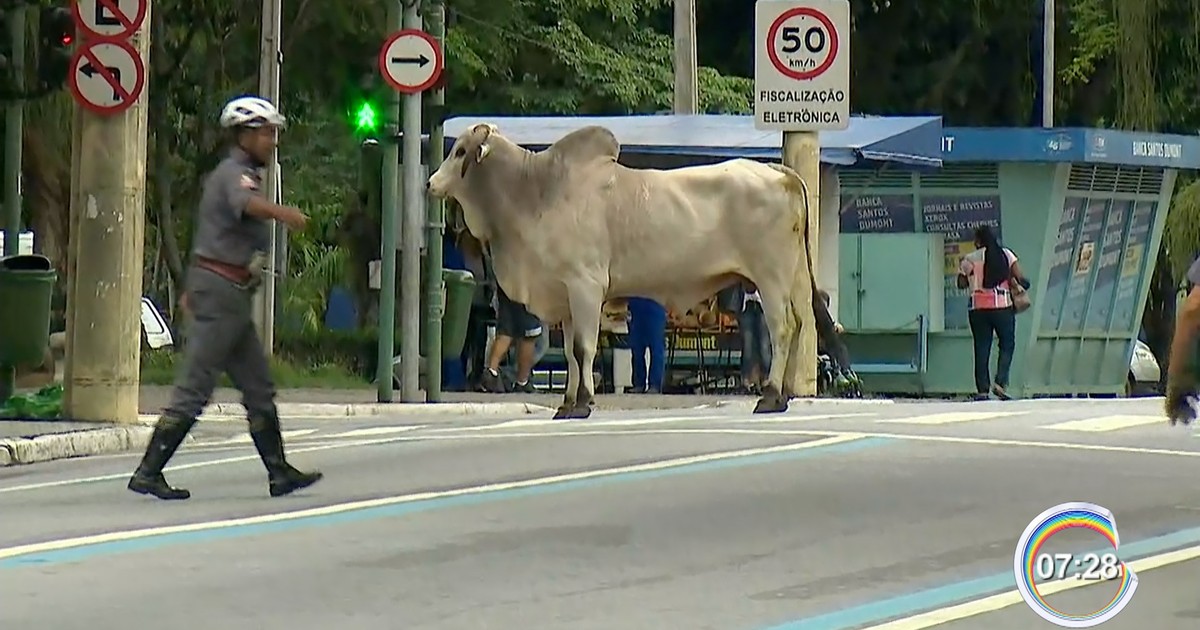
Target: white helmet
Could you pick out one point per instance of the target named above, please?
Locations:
(250, 111)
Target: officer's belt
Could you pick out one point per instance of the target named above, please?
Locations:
(232, 273)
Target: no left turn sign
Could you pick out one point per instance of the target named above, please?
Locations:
(802, 65)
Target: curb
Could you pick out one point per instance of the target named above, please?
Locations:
(224, 412)
(53, 446)
(749, 404)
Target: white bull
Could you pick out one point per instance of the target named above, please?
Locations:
(569, 228)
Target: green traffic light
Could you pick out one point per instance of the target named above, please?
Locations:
(366, 118)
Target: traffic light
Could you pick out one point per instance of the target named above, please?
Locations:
(56, 37)
(365, 118)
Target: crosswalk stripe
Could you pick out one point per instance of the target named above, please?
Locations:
(245, 439)
(369, 431)
(1103, 424)
(950, 417)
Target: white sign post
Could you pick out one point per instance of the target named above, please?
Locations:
(802, 65)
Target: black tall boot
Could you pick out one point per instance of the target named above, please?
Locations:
(148, 478)
(284, 479)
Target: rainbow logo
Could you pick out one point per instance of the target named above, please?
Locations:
(1029, 557)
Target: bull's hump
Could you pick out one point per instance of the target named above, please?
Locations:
(586, 144)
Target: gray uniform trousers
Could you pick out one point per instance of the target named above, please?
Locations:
(221, 338)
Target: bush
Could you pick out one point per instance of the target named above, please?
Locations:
(331, 359)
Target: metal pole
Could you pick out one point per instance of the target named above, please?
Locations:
(1047, 63)
(436, 223)
(387, 286)
(685, 56)
(13, 125)
(270, 58)
(410, 250)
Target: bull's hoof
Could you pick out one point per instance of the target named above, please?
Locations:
(769, 405)
(771, 402)
(575, 412)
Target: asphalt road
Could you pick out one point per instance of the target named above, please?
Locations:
(833, 517)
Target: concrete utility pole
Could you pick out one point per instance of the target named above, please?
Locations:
(270, 58)
(1048, 63)
(685, 57)
(802, 152)
(13, 125)
(387, 263)
(104, 332)
(436, 224)
(410, 249)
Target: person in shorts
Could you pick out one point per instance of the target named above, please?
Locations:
(513, 322)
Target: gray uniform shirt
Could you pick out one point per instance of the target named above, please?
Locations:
(1193, 272)
(224, 231)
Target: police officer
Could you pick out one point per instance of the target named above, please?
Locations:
(232, 236)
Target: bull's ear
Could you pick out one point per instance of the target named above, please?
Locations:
(482, 152)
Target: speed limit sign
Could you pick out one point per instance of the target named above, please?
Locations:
(802, 65)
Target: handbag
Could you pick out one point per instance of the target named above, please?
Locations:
(1020, 296)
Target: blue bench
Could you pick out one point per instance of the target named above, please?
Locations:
(918, 364)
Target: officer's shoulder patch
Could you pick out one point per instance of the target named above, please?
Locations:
(249, 182)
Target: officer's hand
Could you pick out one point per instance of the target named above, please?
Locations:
(1177, 403)
(292, 217)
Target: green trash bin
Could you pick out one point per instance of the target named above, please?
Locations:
(26, 289)
(460, 293)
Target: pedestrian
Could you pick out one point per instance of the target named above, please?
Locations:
(231, 239)
(756, 341)
(990, 273)
(647, 332)
(1182, 362)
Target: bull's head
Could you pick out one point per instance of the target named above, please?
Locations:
(470, 149)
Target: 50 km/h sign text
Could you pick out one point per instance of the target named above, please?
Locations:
(802, 65)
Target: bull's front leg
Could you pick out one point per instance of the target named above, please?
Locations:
(568, 405)
(585, 304)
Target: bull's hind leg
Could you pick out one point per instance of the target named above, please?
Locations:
(568, 405)
(805, 319)
(779, 324)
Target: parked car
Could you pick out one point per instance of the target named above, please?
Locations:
(1144, 372)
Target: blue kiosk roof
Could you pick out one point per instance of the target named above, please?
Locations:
(915, 141)
(911, 140)
(1070, 144)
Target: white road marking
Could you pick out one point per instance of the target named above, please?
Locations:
(1000, 442)
(209, 462)
(121, 535)
(993, 603)
(371, 431)
(783, 419)
(632, 422)
(951, 417)
(1104, 424)
(660, 431)
(246, 439)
